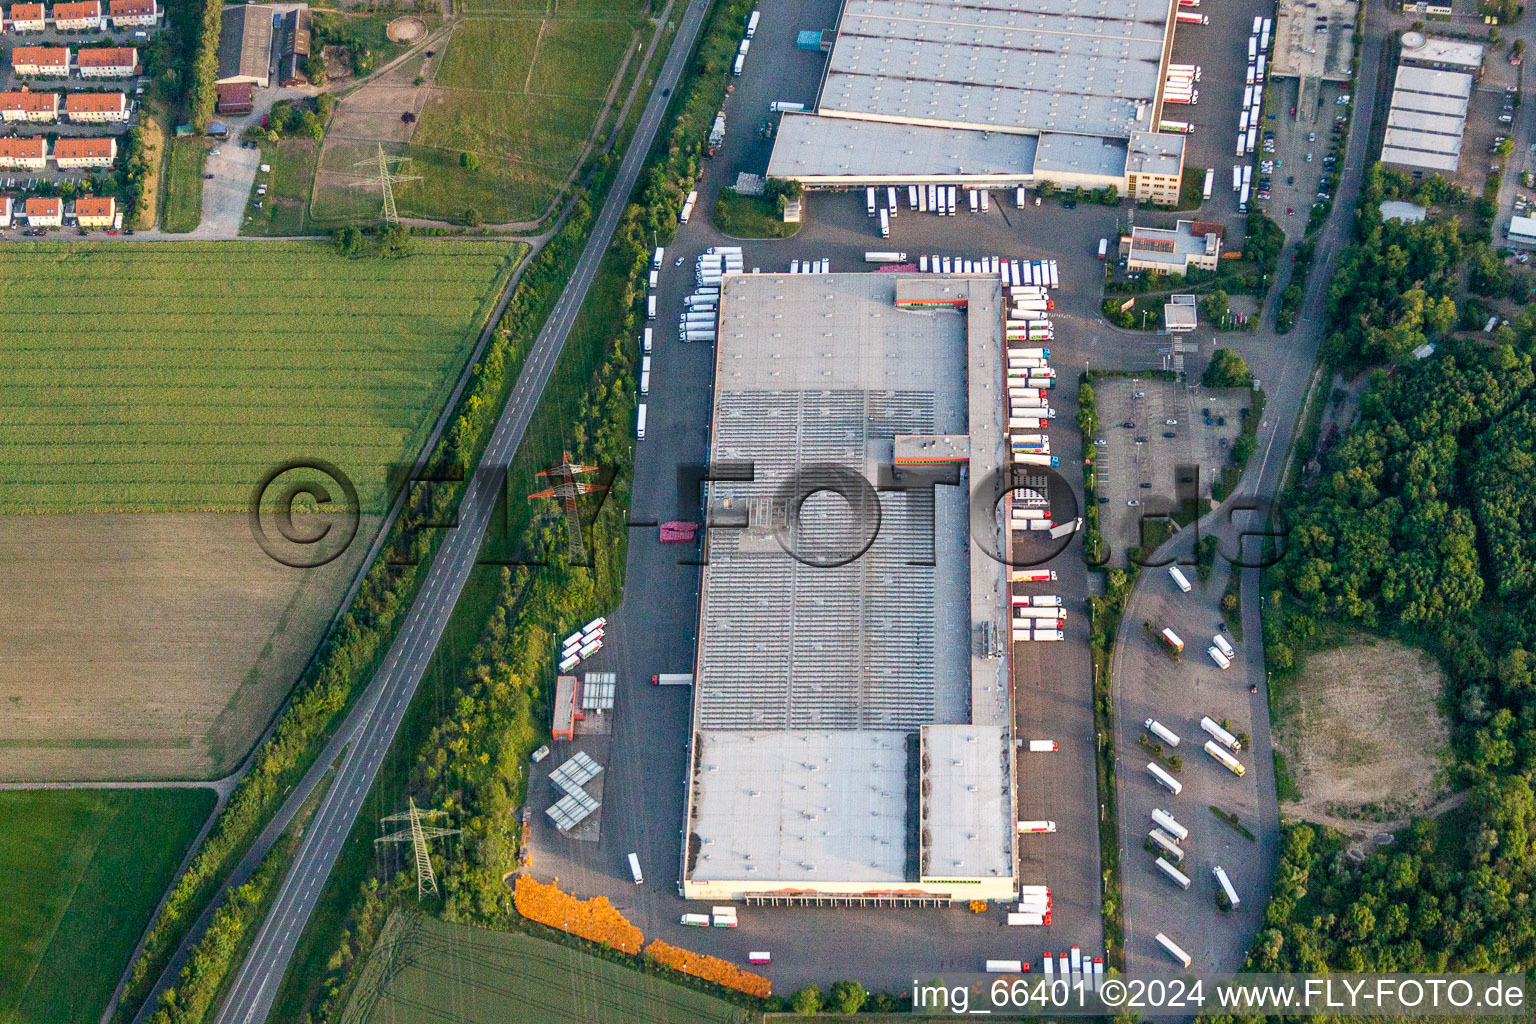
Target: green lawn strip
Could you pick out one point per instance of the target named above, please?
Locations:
(84, 870)
(512, 978)
(184, 186)
(241, 355)
(1233, 822)
(751, 217)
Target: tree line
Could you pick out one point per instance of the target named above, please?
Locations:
(1418, 525)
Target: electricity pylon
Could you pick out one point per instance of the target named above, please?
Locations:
(385, 180)
(417, 835)
(567, 488)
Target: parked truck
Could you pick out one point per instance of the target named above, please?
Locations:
(1161, 731)
(1066, 529)
(1222, 645)
(1179, 578)
(885, 257)
(672, 679)
(1228, 762)
(1165, 780)
(1042, 746)
(1220, 735)
(1221, 660)
(1037, 826)
(1167, 823)
(1167, 843)
(1172, 640)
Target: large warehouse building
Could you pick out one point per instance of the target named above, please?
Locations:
(852, 738)
(995, 93)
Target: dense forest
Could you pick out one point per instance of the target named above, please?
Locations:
(1420, 525)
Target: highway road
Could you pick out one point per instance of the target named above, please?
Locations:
(374, 721)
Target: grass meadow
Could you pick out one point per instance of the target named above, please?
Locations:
(184, 186)
(520, 91)
(173, 378)
(282, 209)
(422, 966)
(83, 871)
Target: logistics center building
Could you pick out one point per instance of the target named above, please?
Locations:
(851, 738)
(995, 93)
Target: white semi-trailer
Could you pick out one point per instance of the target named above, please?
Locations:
(1169, 846)
(1178, 877)
(1222, 645)
(1028, 919)
(1028, 459)
(1172, 949)
(1165, 780)
(1034, 575)
(1066, 529)
(1162, 732)
(1037, 826)
(1005, 967)
(1042, 746)
(885, 256)
(1221, 660)
(1169, 824)
(1220, 735)
(1226, 885)
(1179, 578)
(1228, 762)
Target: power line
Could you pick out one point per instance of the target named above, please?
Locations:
(417, 835)
(385, 179)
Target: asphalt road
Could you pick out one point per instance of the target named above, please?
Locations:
(373, 723)
(1147, 683)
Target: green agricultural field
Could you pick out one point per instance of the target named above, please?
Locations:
(83, 871)
(425, 971)
(174, 378)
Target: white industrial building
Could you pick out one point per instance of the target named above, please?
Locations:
(1000, 93)
(852, 738)
(1426, 119)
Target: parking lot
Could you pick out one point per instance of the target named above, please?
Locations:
(1177, 692)
(1142, 470)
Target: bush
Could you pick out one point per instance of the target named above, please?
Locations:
(807, 1001)
(1226, 369)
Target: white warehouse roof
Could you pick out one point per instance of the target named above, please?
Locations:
(1084, 66)
(809, 146)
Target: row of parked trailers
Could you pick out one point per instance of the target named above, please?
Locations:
(582, 644)
(1029, 379)
(1252, 111)
(1072, 967)
(942, 200)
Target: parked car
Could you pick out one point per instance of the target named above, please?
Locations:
(1169, 433)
